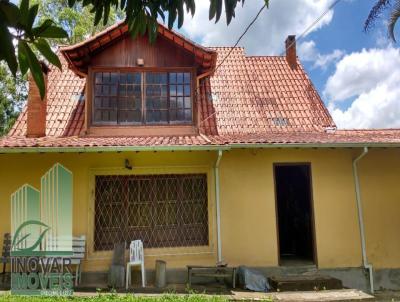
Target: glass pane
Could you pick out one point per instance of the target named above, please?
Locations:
(179, 78)
(137, 116)
(156, 78)
(114, 78)
(179, 115)
(113, 115)
(172, 90)
(106, 77)
(187, 77)
(187, 90)
(172, 115)
(122, 90)
(113, 90)
(188, 115)
(97, 115)
(172, 78)
(180, 102)
(130, 94)
(172, 102)
(134, 78)
(122, 77)
(98, 77)
(188, 102)
(179, 90)
(97, 90)
(97, 102)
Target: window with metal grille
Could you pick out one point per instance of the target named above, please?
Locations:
(168, 210)
(142, 98)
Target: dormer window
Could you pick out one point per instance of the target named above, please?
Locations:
(142, 98)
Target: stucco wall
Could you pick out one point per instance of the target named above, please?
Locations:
(380, 192)
(248, 204)
(249, 232)
(17, 170)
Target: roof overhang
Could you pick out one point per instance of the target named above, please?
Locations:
(105, 149)
(78, 55)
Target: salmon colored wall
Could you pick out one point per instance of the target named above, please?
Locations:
(380, 192)
(249, 232)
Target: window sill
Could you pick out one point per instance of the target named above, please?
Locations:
(149, 130)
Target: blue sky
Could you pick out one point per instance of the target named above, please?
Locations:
(356, 73)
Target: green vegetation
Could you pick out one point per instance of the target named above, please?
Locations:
(118, 297)
(21, 34)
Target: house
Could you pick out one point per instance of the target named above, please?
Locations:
(207, 155)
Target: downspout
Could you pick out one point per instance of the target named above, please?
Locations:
(218, 208)
(366, 265)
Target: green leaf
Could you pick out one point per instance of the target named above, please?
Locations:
(98, 14)
(10, 12)
(394, 17)
(106, 14)
(17, 240)
(123, 3)
(36, 31)
(24, 12)
(181, 15)
(44, 48)
(23, 60)
(213, 9)
(171, 18)
(54, 32)
(7, 50)
(71, 3)
(35, 68)
(32, 15)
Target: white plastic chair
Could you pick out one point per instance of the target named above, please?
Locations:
(136, 258)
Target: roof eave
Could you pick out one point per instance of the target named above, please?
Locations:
(207, 56)
(101, 149)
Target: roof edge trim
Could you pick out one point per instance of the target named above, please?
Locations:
(16, 150)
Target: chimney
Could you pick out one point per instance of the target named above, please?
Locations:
(37, 108)
(291, 56)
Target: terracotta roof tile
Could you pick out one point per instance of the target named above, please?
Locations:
(248, 100)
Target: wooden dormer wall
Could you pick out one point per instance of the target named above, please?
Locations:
(126, 51)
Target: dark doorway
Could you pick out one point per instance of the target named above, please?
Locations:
(295, 214)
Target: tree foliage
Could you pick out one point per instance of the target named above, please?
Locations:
(381, 6)
(20, 24)
(13, 93)
(78, 22)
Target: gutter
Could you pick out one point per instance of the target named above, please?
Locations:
(218, 208)
(95, 149)
(99, 149)
(366, 265)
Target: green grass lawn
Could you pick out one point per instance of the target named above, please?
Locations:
(115, 297)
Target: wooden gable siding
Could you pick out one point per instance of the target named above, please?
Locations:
(126, 51)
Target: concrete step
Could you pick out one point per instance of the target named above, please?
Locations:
(304, 283)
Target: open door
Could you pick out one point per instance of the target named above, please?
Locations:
(294, 214)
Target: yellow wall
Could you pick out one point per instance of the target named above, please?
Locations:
(249, 232)
(380, 189)
(17, 170)
(248, 206)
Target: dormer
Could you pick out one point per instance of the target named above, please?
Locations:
(134, 87)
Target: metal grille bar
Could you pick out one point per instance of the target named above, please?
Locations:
(168, 210)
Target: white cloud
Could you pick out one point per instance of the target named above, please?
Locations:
(372, 78)
(308, 52)
(268, 34)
